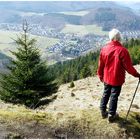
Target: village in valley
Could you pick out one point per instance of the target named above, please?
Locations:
(70, 45)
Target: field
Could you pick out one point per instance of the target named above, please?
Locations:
(79, 13)
(31, 14)
(83, 29)
(7, 42)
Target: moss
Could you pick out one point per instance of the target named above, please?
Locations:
(43, 118)
(76, 124)
(25, 116)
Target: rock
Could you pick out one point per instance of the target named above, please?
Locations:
(138, 118)
(135, 106)
(72, 94)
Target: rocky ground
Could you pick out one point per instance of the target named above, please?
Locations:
(87, 94)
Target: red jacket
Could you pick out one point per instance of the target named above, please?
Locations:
(113, 62)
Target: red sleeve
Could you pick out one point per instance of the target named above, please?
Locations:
(100, 71)
(127, 64)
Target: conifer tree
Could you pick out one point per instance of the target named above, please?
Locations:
(85, 72)
(72, 84)
(28, 80)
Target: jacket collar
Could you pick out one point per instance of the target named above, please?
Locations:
(115, 43)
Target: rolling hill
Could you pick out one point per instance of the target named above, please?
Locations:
(121, 18)
(57, 14)
(107, 18)
(52, 6)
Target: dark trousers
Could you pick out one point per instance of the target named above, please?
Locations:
(112, 93)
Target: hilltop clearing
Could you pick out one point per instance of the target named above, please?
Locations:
(73, 114)
(87, 93)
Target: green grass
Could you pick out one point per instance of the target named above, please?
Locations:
(22, 114)
(75, 124)
(83, 29)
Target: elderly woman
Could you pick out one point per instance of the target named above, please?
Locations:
(113, 62)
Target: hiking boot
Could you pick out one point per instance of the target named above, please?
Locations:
(104, 114)
(112, 118)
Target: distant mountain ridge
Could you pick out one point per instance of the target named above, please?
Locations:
(54, 6)
(106, 14)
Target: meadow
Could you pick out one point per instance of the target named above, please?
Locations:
(77, 13)
(83, 29)
(7, 41)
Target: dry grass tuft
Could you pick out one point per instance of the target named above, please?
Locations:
(68, 124)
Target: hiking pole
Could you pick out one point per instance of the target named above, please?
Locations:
(132, 100)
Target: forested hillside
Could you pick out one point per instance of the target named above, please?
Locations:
(133, 46)
(85, 66)
(110, 17)
(75, 69)
(104, 14)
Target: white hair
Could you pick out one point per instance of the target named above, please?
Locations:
(115, 34)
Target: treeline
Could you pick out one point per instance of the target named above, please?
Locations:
(71, 19)
(75, 69)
